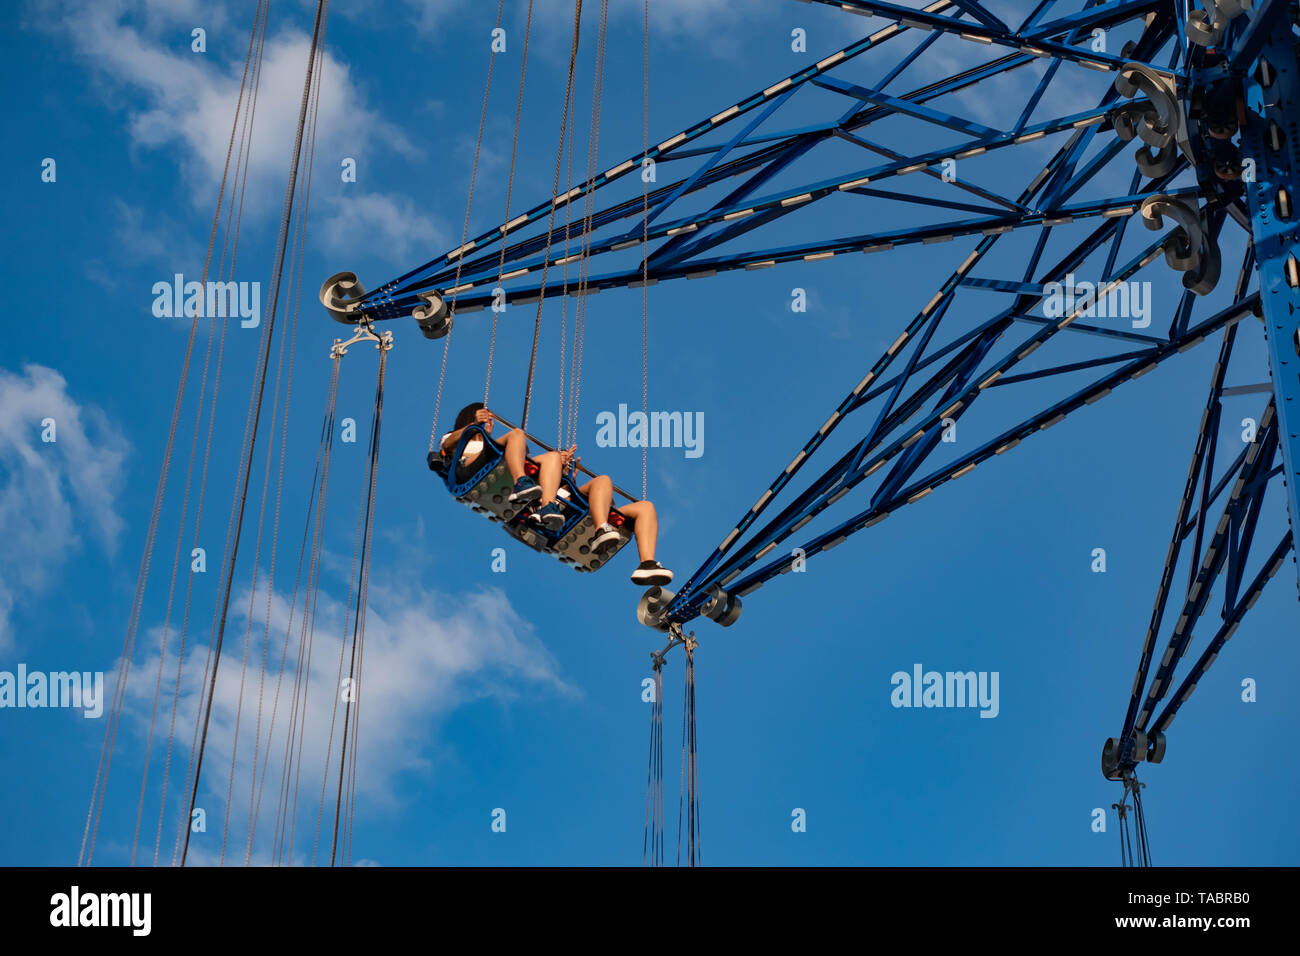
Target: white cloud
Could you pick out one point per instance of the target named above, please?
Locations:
(425, 654)
(686, 18)
(142, 238)
(189, 100)
(668, 18)
(51, 491)
(377, 220)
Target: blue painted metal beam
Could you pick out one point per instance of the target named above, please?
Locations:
(713, 569)
(923, 200)
(1268, 17)
(900, 105)
(689, 608)
(689, 182)
(1044, 82)
(1006, 380)
(761, 258)
(477, 271)
(1038, 45)
(976, 10)
(381, 302)
(1259, 456)
(1271, 140)
(1101, 15)
(490, 258)
(1038, 13)
(632, 163)
(1272, 564)
(971, 188)
(1165, 585)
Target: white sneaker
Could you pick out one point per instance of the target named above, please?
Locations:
(605, 535)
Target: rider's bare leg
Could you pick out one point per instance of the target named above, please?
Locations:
(600, 496)
(516, 443)
(645, 527)
(548, 475)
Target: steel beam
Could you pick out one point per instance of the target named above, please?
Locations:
(1271, 141)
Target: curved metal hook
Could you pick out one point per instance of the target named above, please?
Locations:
(340, 294)
(433, 317)
(1206, 28)
(1160, 122)
(1188, 248)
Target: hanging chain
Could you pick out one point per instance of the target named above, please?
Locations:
(564, 290)
(580, 313)
(510, 183)
(652, 846)
(645, 239)
(464, 235)
(550, 224)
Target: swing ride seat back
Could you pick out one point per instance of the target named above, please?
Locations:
(486, 490)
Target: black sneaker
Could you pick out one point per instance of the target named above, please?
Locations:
(549, 517)
(605, 535)
(651, 573)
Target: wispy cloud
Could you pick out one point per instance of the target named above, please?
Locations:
(185, 102)
(142, 238)
(389, 222)
(425, 654)
(672, 19)
(50, 492)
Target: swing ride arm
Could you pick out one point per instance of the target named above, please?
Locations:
(753, 156)
(1185, 187)
(467, 278)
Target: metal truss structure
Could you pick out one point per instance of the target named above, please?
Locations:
(1210, 99)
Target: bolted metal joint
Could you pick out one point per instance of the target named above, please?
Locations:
(1118, 758)
(433, 318)
(721, 607)
(341, 295)
(650, 609)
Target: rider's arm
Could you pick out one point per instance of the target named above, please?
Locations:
(450, 439)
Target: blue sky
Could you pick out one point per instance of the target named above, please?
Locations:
(522, 690)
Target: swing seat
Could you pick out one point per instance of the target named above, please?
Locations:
(485, 487)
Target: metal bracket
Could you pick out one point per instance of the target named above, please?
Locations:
(1160, 123)
(364, 333)
(650, 609)
(1119, 758)
(676, 638)
(1188, 248)
(434, 318)
(341, 294)
(1206, 28)
(721, 607)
